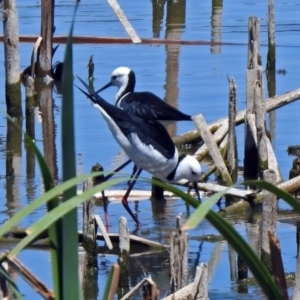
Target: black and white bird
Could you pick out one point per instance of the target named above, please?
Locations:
(143, 104)
(148, 144)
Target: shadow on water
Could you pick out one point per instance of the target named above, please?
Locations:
(170, 19)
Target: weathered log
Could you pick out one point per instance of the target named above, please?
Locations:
(231, 156)
(44, 62)
(89, 227)
(30, 106)
(272, 103)
(278, 270)
(210, 187)
(200, 287)
(269, 218)
(12, 59)
(288, 186)
(217, 137)
(250, 150)
(179, 257)
(124, 244)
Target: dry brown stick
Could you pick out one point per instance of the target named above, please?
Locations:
(217, 137)
(124, 243)
(231, 156)
(179, 257)
(124, 21)
(115, 280)
(12, 59)
(142, 282)
(200, 287)
(30, 278)
(271, 104)
(272, 160)
(278, 270)
(214, 152)
(269, 218)
(210, 187)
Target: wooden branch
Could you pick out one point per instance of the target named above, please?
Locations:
(278, 270)
(40, 287)
(289, 186)
(149, 280)
(215, 188)
(217, 137)
(104, 231)
(231, 156)
(271, 104)
(269, 219)
(124, 21)
(213, 149)
(179, 257)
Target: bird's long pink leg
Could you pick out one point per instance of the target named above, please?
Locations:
(125, 197)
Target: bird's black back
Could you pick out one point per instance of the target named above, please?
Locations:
(150, 132)
(149, 106)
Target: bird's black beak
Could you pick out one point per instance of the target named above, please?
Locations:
(197, 190)
(104, 87)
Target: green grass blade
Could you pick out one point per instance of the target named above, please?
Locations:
(25, 211)
(287, 197)
(258, 270)
(201, 211)
(52, 216)
(68, 254)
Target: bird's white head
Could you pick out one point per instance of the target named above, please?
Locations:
(120, 76)
(190, 169)
(124, 79)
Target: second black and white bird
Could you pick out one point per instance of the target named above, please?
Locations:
(143, 104)
(148, 144)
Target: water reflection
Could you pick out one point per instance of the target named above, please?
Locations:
(157, 16)
(46, 105)
(13, 164)
(216, 26)
(175, 23)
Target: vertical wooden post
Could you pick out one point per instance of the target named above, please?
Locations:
(231, 156)
(124, 254)
(47, 28)
(271, 64)
(30, 106)
(253, 75)
(269, 218)
(89, 227)
(179, 257)
(157, 192)
(12, 59)
(260, 112)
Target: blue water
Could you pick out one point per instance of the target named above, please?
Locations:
(202, 85)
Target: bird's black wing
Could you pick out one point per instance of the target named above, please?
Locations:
(148, 105)
(149, 132)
